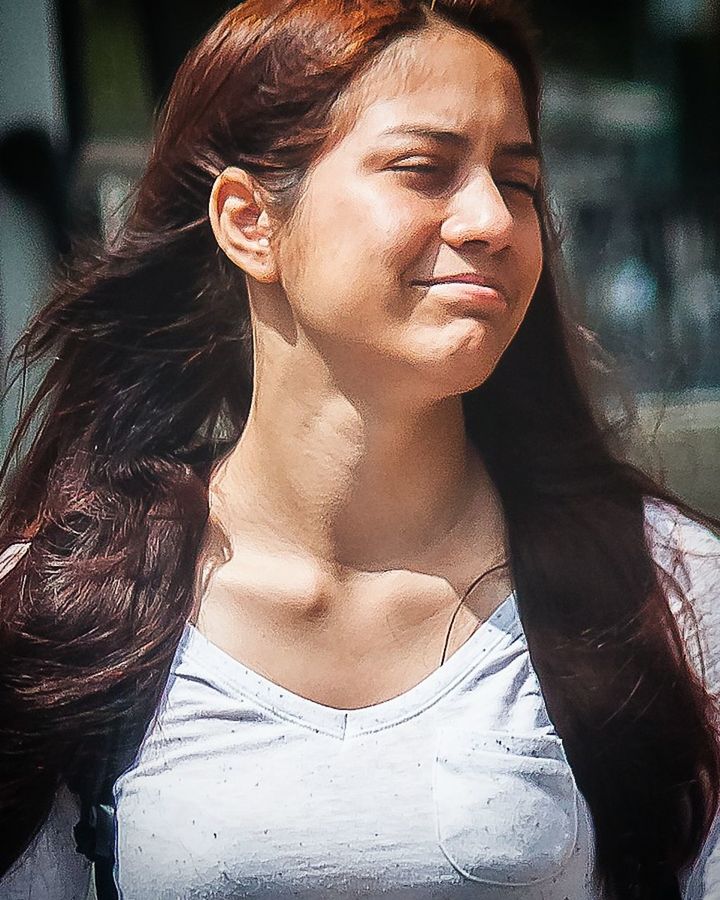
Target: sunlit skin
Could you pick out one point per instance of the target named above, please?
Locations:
(354, 505)
(384, 211)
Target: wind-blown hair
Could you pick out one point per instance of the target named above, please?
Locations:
(146, 354)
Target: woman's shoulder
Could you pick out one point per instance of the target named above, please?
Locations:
(689, 552)
(684, 548)
(50, 868)
(667, 526)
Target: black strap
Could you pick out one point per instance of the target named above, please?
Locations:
(95, 831)
(95, 839)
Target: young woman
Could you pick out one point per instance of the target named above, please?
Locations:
(320, 557)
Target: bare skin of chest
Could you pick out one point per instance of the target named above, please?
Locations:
(346, 644)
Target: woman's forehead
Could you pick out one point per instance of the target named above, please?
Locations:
(445, 77)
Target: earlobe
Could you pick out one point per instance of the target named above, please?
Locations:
(241, 226)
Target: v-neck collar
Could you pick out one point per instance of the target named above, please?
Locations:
(236, 679)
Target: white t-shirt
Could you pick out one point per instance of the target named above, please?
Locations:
(459, 787)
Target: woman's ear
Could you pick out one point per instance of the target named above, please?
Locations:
(241, 224)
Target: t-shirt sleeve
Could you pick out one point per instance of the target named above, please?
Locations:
(51, 868)
(691, 553)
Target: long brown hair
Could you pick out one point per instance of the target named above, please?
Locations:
(147, 380)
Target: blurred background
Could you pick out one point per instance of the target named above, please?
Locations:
(633, 158)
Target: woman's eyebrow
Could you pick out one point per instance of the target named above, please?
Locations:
(436, 134)
(517, 149)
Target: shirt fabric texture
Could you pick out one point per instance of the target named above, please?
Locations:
(459, 787)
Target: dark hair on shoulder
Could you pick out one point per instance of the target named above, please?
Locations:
(145, 350)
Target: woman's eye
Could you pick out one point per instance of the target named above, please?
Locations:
(417, 167)
(428, 177)
(530, 189)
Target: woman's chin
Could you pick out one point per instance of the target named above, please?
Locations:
(461, 357)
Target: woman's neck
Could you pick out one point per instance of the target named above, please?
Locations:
(354, 489)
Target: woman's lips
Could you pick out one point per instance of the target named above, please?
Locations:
(469, 296)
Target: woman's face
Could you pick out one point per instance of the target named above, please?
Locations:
(434, 178)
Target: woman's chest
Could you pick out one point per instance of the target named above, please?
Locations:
(454, 801)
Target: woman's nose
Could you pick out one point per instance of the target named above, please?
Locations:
(478, 212)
